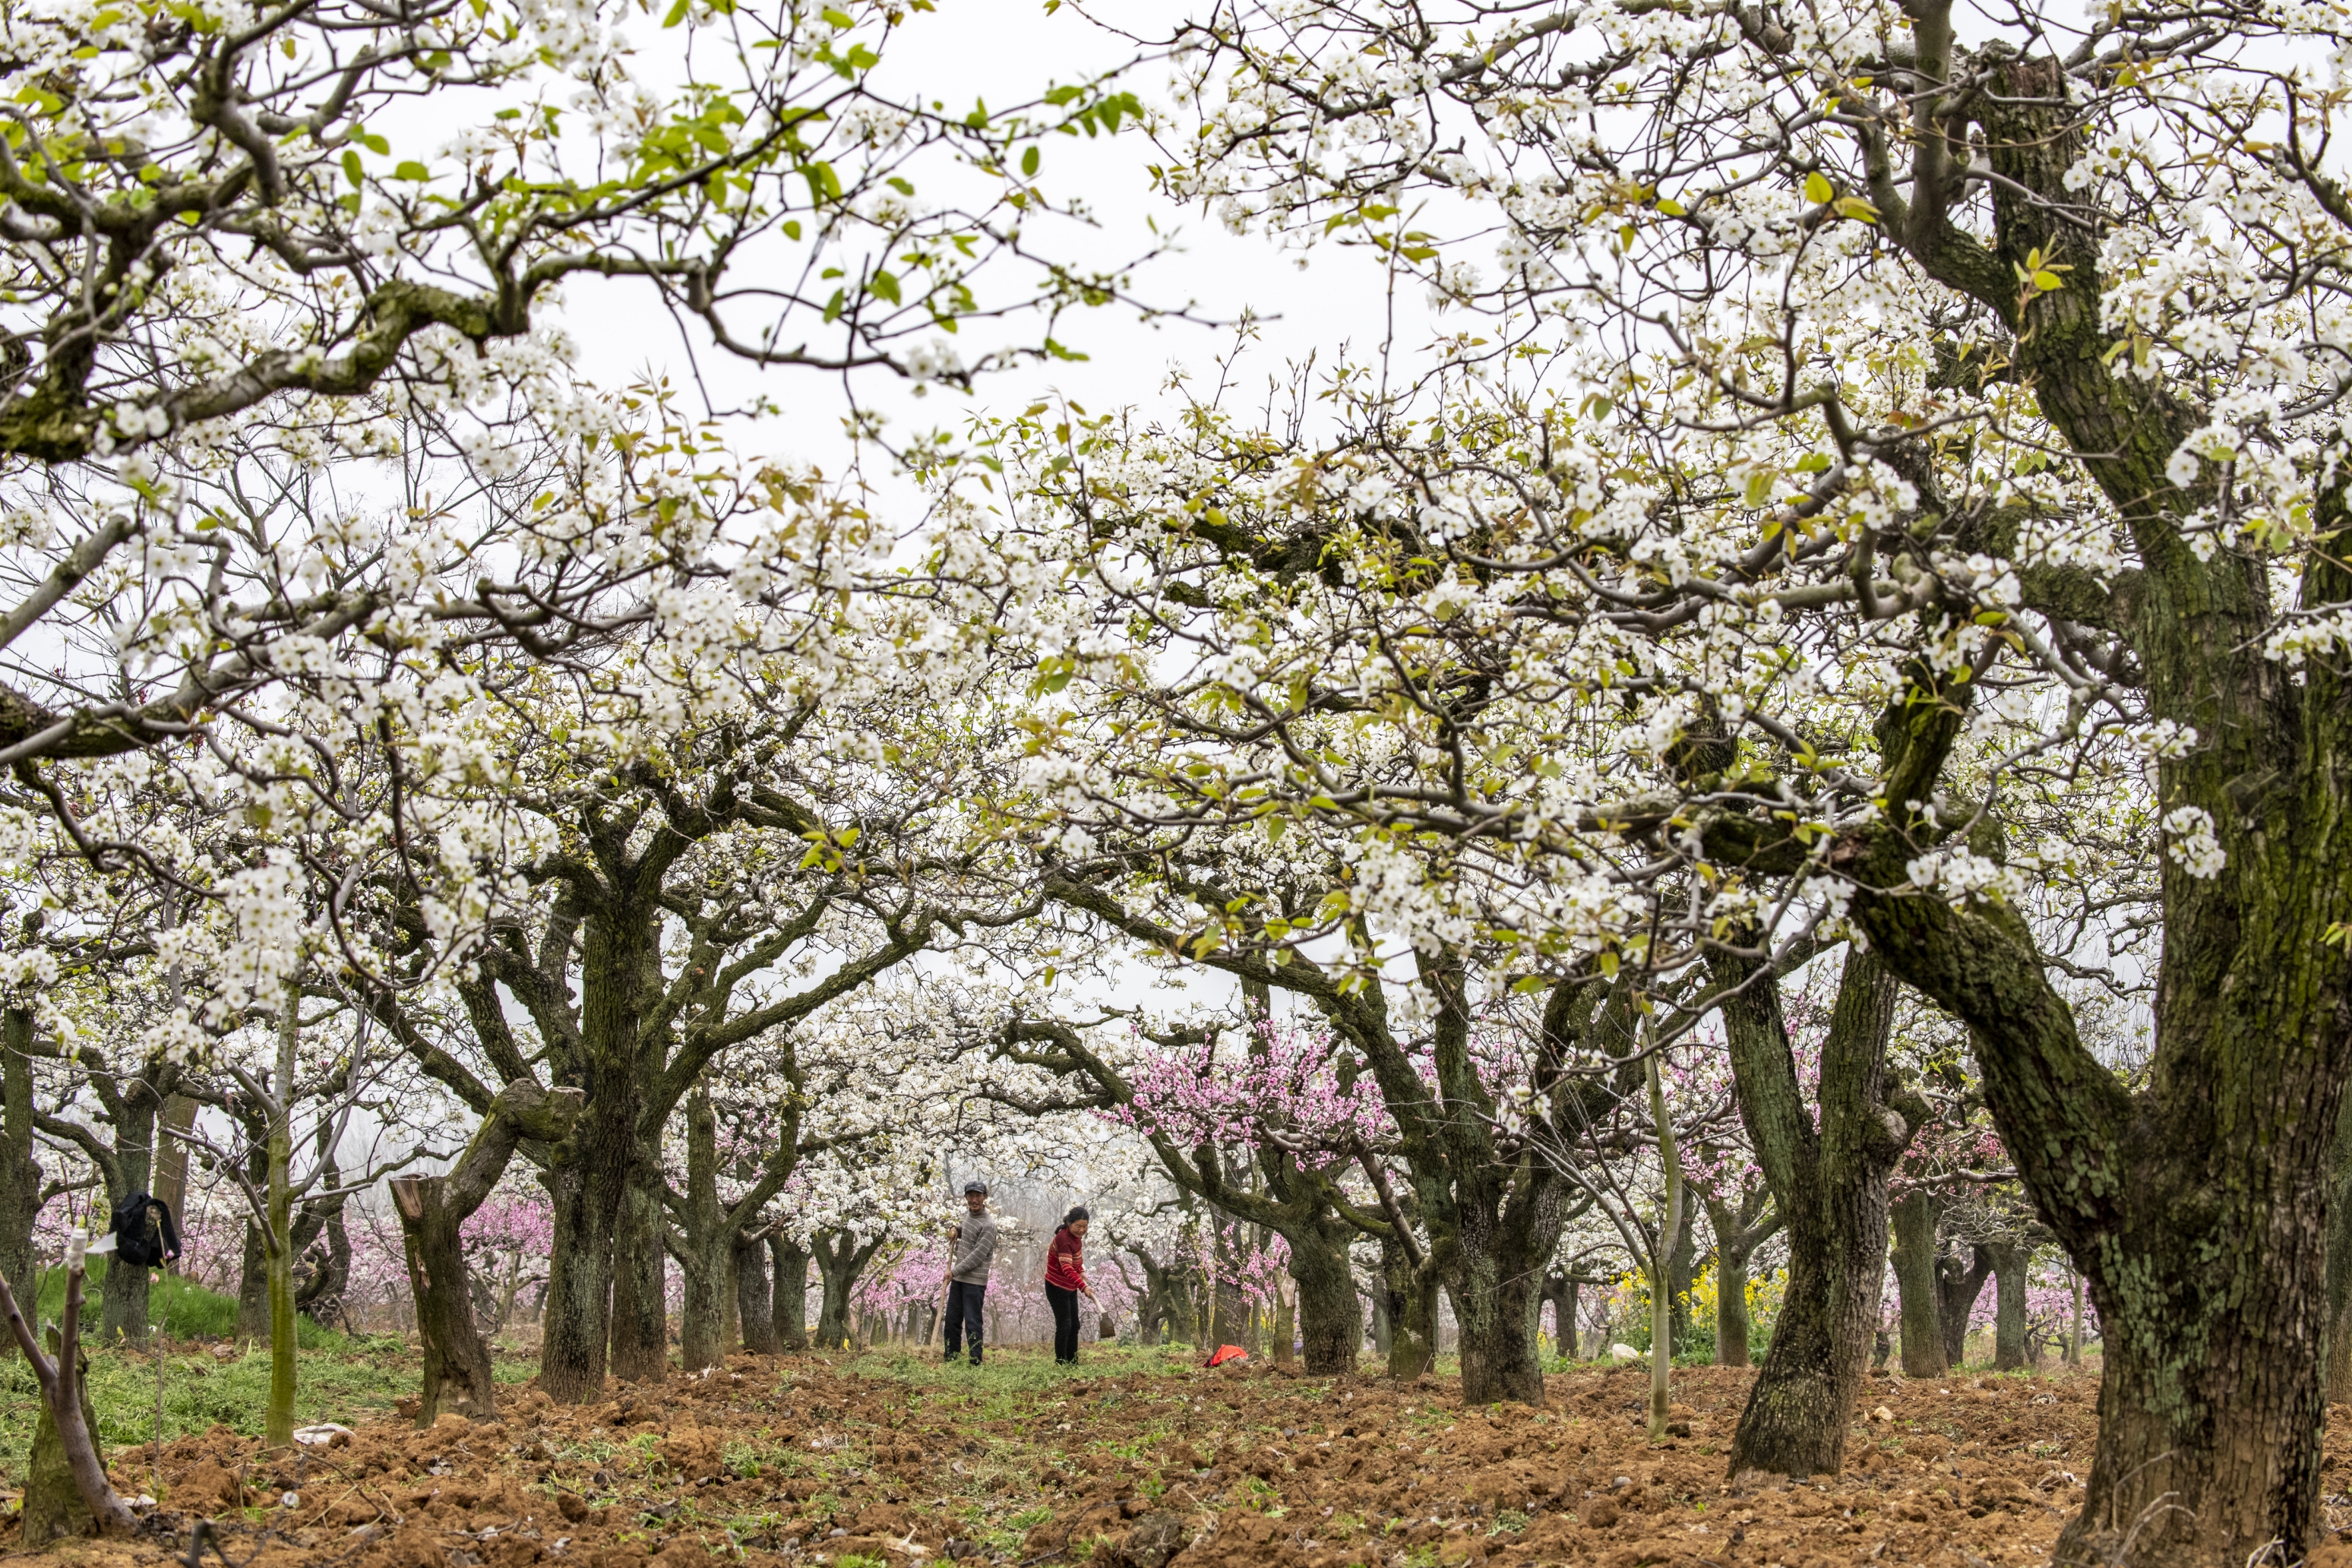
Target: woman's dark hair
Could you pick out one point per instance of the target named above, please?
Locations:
(1075, 1215)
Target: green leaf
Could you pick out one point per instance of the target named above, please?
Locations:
(1818, 188)
(677, 14)
(351, 167)
(1029, 161)
(2048, 281)
(887, 285)
(411, 169)
(374, 144)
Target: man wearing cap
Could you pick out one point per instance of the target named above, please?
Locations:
(972, 1247)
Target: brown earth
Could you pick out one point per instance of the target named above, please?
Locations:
(799, 1461)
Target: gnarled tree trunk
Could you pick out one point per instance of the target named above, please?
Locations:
(840, 1257)
(1829, 1185)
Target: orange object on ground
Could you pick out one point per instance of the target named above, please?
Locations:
(1226, 1354)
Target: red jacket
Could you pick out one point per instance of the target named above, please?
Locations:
(1065, 1266)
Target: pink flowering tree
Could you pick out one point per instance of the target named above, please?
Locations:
(507, 1242)
(1269, 1126)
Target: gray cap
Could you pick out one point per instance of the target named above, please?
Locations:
(976, 1185)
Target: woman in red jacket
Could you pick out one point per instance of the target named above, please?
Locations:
(1065, 1282)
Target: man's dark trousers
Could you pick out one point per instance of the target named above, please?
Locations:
(963, 1317)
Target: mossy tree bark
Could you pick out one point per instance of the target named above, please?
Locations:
(640, 1325)
(2009, 1266)
(791, 1306)
(1921, 1293)
(2339, 1264)
(712, 1243)
(20, 1174)
(1828, 1181)
(2196, 1207)
(754, 1294)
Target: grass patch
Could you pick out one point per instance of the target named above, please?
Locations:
(200, 1392)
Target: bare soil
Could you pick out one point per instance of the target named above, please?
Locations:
(799, 1461)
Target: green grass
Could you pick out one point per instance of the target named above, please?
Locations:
(340, 1378)
(200, 1392)
(181, 1309)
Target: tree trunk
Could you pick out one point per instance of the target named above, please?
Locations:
(1285, 1327)
(278, 1421)
(320, 1298)
(1672, 1229)
(575, 1324)
(840, 1259)
(2340, 1267)
(640, 1280)
(172, 1158)
(754, 1298)
(1828, 1187)
(54, 1509)
(456, 1363)
(2009, 1264)
(20, 1174)
(2194, 1202)
(1330, 1329)
(1681, 1267)
(433, 1211)
(730, 1304)
(253, 1286)
(703, 1257)
(1958, 1286)
(1730, 1307)
(1504, 1224)
(792, 1261)
(1411, 1309)
(1921, 1290)
(122, 1294)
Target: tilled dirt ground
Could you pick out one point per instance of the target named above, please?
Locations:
(796, 1461)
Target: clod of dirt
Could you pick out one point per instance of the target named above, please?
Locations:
(1156, 1538)
(207, 1489)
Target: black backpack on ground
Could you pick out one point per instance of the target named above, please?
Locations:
(145, 1234)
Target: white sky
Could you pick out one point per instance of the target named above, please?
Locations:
(1006, 51)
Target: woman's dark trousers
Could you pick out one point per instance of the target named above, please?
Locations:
(1065, 1321)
